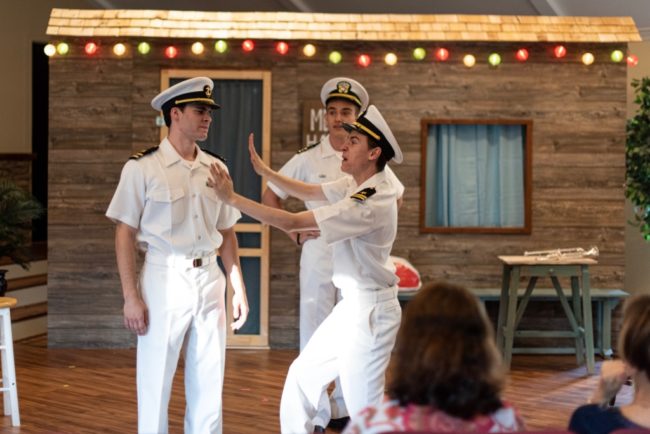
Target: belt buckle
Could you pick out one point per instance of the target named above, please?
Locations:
(197, 262)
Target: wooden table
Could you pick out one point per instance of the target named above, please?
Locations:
(578, 312)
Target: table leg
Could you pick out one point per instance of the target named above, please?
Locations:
(503, 306)
(509, 330)
(577, 309)
(588, 322)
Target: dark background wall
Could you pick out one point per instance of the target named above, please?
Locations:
(100, 114)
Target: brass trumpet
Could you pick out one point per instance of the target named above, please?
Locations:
(575, 252)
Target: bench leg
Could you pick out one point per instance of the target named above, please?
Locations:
(608, 309)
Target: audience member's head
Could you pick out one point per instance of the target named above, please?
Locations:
(634, 340)
(598, 417)
(445, 355)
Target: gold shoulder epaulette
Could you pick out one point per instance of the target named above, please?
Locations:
(364, 194)
(308, 147)
(142, 153)
(209, 152)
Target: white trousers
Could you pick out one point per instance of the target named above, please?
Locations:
(186, 313)
(353, 343)
(318, 296)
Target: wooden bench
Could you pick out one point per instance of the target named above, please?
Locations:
(605, 300)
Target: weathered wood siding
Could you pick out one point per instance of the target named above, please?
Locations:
(100, 113)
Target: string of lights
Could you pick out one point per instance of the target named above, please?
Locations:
(440, 54)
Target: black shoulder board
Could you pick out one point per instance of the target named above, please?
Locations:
(308, 147)
(142, 153)
(207, 151)
(363, 194)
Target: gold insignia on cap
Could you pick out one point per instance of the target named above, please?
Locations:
(343, 87)
(208, 91)
(364, 194)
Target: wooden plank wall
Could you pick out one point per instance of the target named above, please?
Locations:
(99, 114)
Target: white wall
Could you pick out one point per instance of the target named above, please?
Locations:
(637, 250)
(21, 23)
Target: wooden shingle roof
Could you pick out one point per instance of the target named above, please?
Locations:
(320, 26)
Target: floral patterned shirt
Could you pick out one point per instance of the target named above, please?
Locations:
(389, 416)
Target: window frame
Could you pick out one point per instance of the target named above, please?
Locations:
(426, 123)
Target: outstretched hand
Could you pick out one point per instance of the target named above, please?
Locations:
(221, 182)
(260, 167)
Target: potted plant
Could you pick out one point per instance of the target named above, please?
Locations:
(17, 210)
(637, 157)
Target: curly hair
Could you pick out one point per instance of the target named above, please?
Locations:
(445, 355)
(634, 342)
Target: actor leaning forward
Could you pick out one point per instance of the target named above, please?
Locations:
(360, 223)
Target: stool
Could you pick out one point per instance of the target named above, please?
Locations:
(9, 390)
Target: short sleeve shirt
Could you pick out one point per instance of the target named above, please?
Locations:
(318, 165)
(166, 198)
(361, 231)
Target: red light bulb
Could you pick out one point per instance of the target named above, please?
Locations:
(91, 48)
(282, 48)
(632, 60)
(248, 45)
(442, 54)
(171, 52)
(364, 60)
(559, 51)
(522, 55)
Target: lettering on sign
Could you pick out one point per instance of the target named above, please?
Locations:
(313, 122)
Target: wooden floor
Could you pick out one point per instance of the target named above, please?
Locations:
(91, 391)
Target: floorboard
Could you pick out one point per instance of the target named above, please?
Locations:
(90, 391)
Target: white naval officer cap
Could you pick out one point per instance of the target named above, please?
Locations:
(347, 89)
(372, 124)
(196, 90)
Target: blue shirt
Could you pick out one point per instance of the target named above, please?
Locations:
(594, 419)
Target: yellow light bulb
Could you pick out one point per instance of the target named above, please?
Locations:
(469, 60)
(197, 48)
(390, 59)
(588, 58)
(309, 50)
(119, 49)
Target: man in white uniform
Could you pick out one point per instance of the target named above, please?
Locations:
(163, 207)
(343, 99)
(360, 224)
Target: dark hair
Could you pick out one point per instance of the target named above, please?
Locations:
(634, 342)
(357, 109)
(386, 153)
(445, 355)
(167, 113)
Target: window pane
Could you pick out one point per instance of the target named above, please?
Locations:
(476, 176)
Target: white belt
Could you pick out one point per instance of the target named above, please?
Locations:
(366, 297)
(181, 262)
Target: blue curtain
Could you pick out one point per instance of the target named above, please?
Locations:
(475, 176)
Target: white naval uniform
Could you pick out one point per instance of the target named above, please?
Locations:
(355, 340)
(318, 295)
(177, 217)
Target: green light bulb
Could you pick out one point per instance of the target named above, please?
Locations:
(335, 57)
